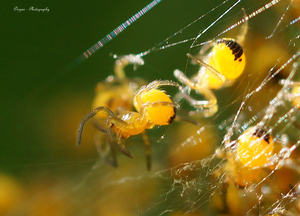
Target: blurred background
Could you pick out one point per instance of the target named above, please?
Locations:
(42, 171)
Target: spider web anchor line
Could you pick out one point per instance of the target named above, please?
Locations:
(250, 16)
(111, 35)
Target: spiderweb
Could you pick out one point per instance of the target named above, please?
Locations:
(191, 171)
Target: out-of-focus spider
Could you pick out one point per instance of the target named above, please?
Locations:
(113, 108)
(219, 68)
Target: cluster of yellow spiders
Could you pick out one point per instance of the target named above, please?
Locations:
(125, 107)
(113, 111)
(115, 98)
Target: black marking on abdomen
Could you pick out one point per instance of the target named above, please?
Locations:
(172, 117)
(235, 47)
(260, 132)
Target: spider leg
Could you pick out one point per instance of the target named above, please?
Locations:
(88, 117)
(98, 126)
(210, 104)
(98, 139)
(113, 162)
(147, 149)
(113, 159)
(110, 121)
(153, 85)
(211, 98)
(157, 83)
(220, 76)
(244, 29)
(179, 96)
(143, 117)
(122, 62)
(183, 79)
(143, 111)
(103, 148)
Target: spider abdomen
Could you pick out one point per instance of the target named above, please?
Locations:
(228, 58)
(158, 114)
(133, 125)
(255, 147)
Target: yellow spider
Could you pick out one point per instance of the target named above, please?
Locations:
(255, 147)
(117, 92)
(250, 168)
(219, 68)
(154, 107)
(246, 158)
(250, 153)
